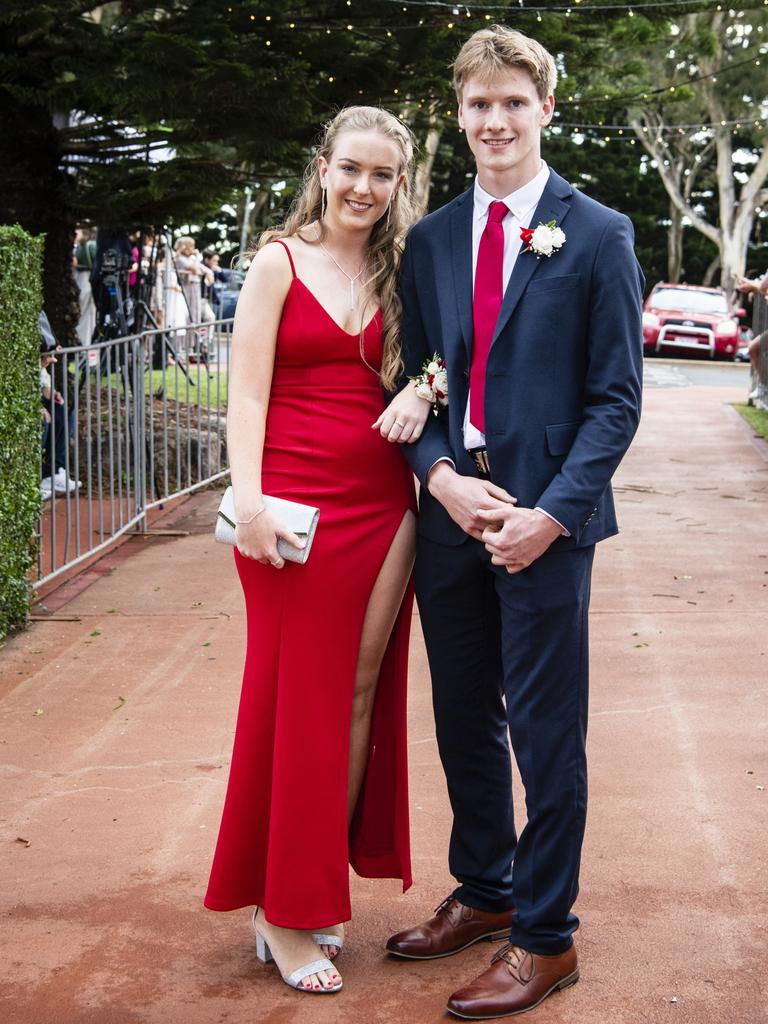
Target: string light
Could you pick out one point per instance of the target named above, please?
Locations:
(679, 128)
(576, 7)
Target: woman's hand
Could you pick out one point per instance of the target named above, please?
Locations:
(258, 539)
(404, 418)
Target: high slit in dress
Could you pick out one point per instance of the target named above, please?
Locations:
(284, 843)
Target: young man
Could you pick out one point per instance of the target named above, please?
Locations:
(542, 341)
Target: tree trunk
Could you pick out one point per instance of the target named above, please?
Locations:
(733, 259)
(674, 245)
(258, 205)
(423, 177)
(711, 270)
(36, 195)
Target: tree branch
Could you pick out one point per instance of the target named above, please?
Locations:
(752, 189)
(673, 190)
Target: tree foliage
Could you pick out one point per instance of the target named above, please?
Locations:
(158, 111)
(704, 126)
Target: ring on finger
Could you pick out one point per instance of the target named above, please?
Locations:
(399, 424)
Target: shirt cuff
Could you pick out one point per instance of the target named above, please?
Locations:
(443, 458)
(563, 531)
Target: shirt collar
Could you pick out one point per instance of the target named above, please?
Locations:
(522, 202)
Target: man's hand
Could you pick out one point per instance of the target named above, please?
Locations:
(515, 537)
(463, 496)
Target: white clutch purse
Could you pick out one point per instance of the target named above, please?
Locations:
(300, 519)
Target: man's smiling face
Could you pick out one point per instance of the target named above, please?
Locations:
(503, 118)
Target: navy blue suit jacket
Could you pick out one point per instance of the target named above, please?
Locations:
(562, 399)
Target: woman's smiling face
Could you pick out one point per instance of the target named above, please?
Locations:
(360, 176)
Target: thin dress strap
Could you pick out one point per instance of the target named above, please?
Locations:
(288, 251)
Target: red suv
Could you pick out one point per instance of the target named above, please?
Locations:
(686, 317)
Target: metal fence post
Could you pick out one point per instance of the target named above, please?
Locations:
(140, 448)
(760, 329)
(112, 389)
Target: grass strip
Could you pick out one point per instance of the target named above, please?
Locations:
(756, 418)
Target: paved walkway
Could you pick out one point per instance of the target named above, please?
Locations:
(115, 732)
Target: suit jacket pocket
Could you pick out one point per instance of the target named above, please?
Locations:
(560, 437)
(546, 284)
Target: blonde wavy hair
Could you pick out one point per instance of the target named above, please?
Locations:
(385, 246)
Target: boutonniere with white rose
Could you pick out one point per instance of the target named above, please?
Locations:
(543, 240)
(432, 382)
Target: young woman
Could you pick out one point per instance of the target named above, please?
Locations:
(318, 776)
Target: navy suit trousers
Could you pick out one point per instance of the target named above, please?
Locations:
(508, 655)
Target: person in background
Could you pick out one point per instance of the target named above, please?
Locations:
(751, 287)
(85, 253)
(207, 284)
(58, 421)
(190, 270)
(211, 284)
(135, 239)
(46, 392)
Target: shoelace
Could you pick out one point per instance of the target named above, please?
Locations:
(520, 962)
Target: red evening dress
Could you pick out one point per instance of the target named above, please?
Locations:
(284, 843)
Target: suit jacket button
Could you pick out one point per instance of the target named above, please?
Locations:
(466, 374)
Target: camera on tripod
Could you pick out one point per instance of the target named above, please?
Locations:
(114, 310)
(114, 262)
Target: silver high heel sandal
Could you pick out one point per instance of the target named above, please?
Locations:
(264, 953)
(319, 937)
(329, 940)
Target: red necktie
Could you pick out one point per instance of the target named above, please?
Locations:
(489, 291)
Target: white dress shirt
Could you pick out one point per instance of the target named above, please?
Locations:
(522, 204)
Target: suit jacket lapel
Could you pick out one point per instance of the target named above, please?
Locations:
(461, 257)
(551, 207)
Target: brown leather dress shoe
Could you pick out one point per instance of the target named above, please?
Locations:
(515, 982)
(453, 928)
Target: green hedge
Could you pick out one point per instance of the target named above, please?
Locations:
(21, 299)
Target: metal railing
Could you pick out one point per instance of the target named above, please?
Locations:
(760, 327)
(140, 421)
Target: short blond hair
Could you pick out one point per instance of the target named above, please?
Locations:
(497, 48)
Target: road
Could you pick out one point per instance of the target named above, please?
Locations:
(705, 372)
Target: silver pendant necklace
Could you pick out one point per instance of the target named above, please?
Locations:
(348, 276)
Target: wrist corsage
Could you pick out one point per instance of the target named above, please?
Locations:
(432, 382)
